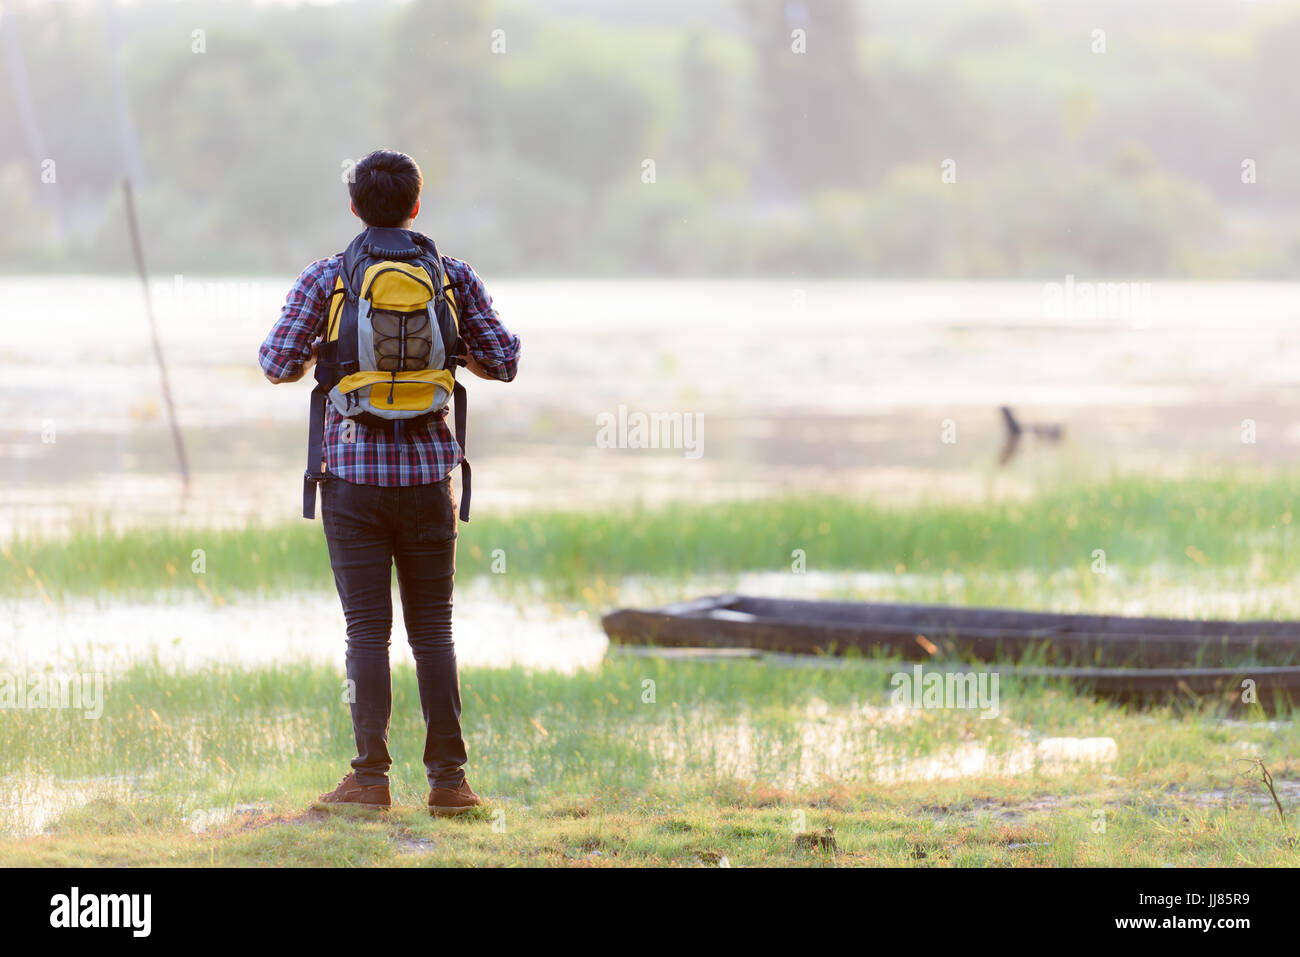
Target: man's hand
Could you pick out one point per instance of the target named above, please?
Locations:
(302, 369)
(472, 365)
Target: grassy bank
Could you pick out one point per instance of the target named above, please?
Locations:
(730, 762)
(1231, 530)
(643, 761)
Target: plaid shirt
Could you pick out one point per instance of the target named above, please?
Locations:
(429, 452)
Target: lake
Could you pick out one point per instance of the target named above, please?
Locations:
(883, 389)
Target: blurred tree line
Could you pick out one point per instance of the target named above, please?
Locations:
(974, 140)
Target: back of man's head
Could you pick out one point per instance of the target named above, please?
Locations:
(385, 188)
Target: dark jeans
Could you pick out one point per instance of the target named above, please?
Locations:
(368, 528)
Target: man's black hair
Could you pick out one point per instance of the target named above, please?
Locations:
(385, 187)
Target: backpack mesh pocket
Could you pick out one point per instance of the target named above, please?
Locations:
(403, 341)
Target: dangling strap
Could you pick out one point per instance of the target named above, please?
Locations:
(458, 394)
(397, 446)
(315, 451)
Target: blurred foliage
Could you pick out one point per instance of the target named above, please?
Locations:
(534, 122)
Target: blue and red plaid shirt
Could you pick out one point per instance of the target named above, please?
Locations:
(366, 456)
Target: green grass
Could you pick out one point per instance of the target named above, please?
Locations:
(721, 764)
(1173, 532)
(584, 771)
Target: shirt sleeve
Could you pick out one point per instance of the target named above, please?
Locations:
(486, 338)
(302, 321)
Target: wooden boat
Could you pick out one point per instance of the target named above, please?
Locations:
(944, 632)
(1132, 659)
(1269, 685)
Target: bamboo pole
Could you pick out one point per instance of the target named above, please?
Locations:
(138, 247)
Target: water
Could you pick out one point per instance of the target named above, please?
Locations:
(803, 387)
(94, 635)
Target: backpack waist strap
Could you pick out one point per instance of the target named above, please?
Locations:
(314, 474)
(458, 395)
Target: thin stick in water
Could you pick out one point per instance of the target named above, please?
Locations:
(138, 247)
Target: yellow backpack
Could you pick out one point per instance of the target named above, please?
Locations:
(391, 346)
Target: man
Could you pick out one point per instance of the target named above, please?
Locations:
(387, 497)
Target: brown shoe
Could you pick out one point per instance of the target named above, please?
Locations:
(349, 792)
(444, 801)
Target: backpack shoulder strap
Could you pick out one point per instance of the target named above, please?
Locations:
(314, 473)
(442, 285)
(351, 259)
(326, 373)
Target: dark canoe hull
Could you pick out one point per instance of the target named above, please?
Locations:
(942, 632)
(1270, 687)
